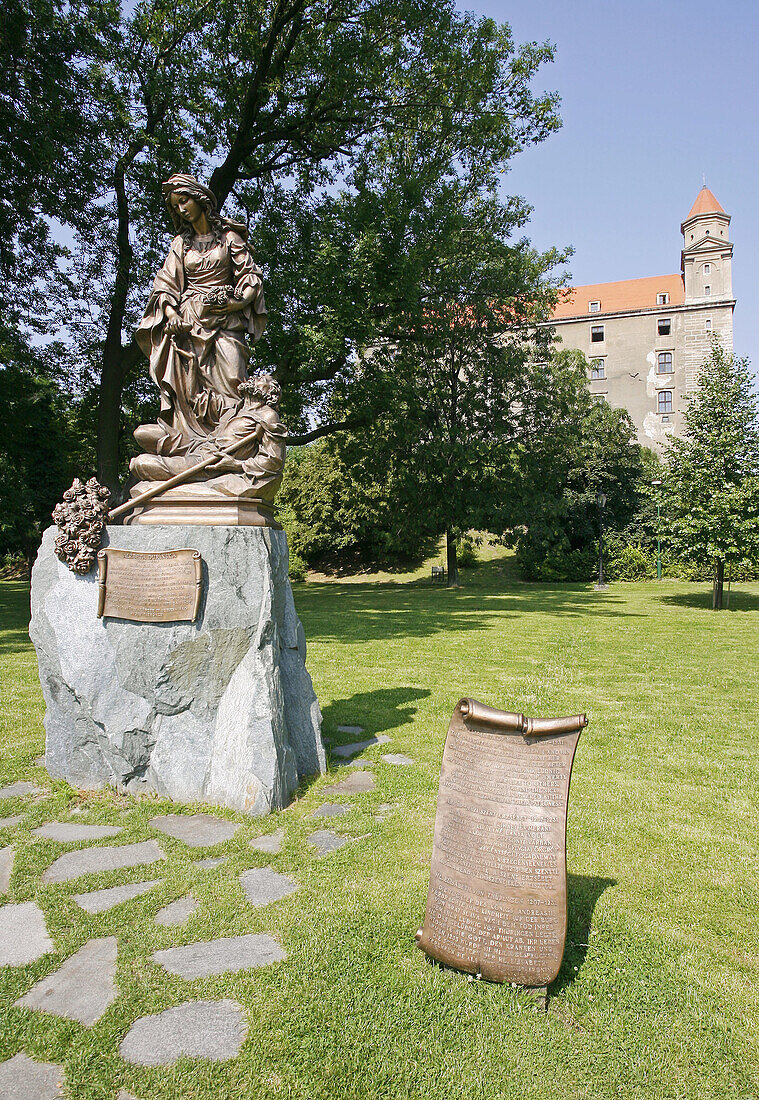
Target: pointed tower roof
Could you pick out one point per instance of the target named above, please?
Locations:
(705, 204)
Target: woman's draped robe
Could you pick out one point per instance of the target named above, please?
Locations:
(217, 341)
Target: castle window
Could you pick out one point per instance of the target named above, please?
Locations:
(708, 324)
(594, 307)
(596, 333)
(707, 269)
(662, 299)
(664, 326)
(597, 368)
(664, 363)
(707, 291)
(664, 403)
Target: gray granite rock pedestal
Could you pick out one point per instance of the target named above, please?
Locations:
(220, 711)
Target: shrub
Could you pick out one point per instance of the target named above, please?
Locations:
(466, 553)
(298, 568)
(630, 563)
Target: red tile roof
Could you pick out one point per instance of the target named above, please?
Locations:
(705, 204)
(631, 294)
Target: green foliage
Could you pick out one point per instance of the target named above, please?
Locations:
(298, 568)
(710, 496)
(629, 562)
(559, 540)
(35, 467)
(337, 516)
(466, 552)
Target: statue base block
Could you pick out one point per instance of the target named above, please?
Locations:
(220, 711)
(200, 504)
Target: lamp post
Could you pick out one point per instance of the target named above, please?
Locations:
(601, 502)
(657, 483)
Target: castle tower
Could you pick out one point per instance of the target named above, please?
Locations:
(707, 269)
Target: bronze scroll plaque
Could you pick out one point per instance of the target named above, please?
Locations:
(161, 587)
(497, 902)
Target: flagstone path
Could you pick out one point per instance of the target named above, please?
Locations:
(99, 901)
(83, 986)
(198, 830)
(176, 912)
(23, 1079)
(88, 861)
(271, 844)
(233, 953)
(397, 758)
(23, 934)
(200, 1029)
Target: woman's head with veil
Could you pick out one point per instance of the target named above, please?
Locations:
(185, 186)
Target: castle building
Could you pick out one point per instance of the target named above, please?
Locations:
(645, 339)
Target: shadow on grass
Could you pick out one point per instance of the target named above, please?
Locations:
(377, 711)
(583, 892)
(366, 612)
(701, 600)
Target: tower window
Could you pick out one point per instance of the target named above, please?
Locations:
(596, 333)
(664, 326)
(594, 307)
(708, 324)
(664, 401)
(662, 299)
(597, 368)
(664, 363)
(707, 291)
(707, 269)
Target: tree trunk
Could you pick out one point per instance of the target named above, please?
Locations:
(453, 565)
(109, 422)
(719, 581)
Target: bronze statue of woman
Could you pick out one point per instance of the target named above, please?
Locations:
(207, 297)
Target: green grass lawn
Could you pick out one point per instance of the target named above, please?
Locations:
(658, 995)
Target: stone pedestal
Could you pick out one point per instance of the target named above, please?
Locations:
(220, 711)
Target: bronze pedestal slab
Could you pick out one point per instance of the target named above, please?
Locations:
(497, 902)
(201, 504)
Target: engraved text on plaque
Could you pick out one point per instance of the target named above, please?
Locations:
(497, 903)
(161, 587)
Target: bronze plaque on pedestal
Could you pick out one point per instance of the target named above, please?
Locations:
(161, 587)
(497, 902)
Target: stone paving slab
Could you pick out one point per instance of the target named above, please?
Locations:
(326, 841)
(17, 790)
(357, 783)
(272, 843)
(176, 912)
(89, 861)
(124, 1095)
(398, 758)
(98, 901)
(67, 832)
(6, 866)
(23, 1079)
(11, 822)
(350, 729)
(331, 809)
(211, 862)
(200, 1029)
(197, 830)
(262, 886)
(359, 746)
(23, 935)
(83, 988)
(233, 953)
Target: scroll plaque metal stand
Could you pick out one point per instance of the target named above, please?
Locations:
(497, 902)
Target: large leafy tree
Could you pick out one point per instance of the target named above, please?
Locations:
(710, 495)
(281, 105)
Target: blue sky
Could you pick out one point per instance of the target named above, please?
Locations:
(654, 97)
